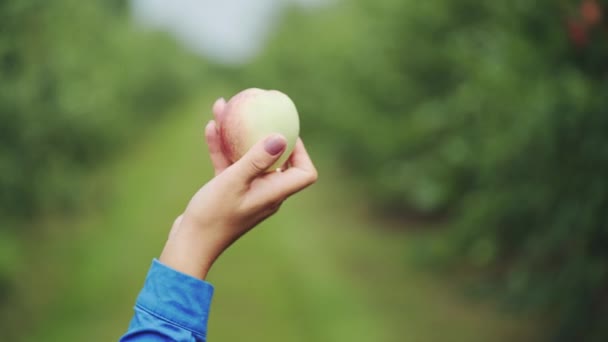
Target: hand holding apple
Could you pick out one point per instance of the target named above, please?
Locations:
(243, 193)
(253, 114)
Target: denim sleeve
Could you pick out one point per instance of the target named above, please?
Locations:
(172, 306)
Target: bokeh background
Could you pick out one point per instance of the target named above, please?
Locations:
(462, 148)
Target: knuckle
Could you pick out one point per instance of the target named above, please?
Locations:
(313, 176)
(257, 165)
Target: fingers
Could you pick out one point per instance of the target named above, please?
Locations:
(299, 175)
(218, 110)
(258, 159)
(301, 160)
(277, 186)
(285, 166)
(219, 161)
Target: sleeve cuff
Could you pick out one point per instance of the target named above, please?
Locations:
(176, 297)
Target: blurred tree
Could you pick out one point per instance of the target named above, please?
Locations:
(492, 112)
(77, 81)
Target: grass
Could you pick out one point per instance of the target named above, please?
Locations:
(320, 270)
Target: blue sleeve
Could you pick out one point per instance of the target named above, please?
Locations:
(172, 306)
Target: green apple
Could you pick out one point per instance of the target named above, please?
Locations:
(252, 115)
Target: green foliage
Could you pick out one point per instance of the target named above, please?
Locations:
(492, 112)
(76, 82)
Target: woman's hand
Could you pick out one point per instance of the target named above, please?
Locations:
(240, 196)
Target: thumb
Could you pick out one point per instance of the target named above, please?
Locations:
(260, 157)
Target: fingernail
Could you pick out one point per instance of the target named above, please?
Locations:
(274, 145)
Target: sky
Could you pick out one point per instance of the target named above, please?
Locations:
(226, 31)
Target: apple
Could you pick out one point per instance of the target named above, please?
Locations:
(252, 115)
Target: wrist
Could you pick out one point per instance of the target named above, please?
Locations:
(190, 251)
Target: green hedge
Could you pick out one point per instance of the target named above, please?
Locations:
(493, 113)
